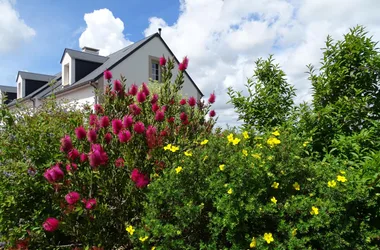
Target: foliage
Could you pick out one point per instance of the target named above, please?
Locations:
(270, 97)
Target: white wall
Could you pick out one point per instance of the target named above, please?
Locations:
(136, 67)
(83, 95)
(21, 90)
(71, 62)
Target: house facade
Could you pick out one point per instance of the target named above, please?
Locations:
(82, 73)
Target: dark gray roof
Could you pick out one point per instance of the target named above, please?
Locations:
(34, 76)
(8, 89)
(85, 56)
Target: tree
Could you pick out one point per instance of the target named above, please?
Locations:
(269, 104)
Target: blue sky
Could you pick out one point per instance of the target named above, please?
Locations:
(222, 38)
(58, 25)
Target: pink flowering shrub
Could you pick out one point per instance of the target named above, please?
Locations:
(111, 160)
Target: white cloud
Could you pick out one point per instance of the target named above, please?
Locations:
(223, 38)
(13, 30)
(104, 32)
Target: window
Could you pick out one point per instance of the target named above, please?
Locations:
(154, 68)
(66, 74)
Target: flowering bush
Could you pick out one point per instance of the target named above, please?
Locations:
(100, 181)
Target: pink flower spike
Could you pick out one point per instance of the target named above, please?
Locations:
(141, 97)
(83, 157)
(91, 136)
(119, 163)
(136, 110)
(80, 132)
(117, 86)
(139, 127)
(183, 65)
(135, 174)
(192, 101)
(160, 116)
(154, 99)
(117, 125)
(90, 204)
(155, 107)
(107, 75)
(133, 89)
(97, 156)
(182, 102)
(72, 198)
(145, 89)
(124, 136)
(127, 121)
(142, 181)
(104, 122)
(183, 116)
(108, 138)
(212, 98)
(162, 61)
(50, 224)
(73, 154)
(212, 113)
(98, 109)
(93, 119)
(66, 144)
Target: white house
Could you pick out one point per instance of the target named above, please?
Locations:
(82, 73)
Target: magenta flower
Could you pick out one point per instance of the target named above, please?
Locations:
(139, 127)
(71, 167)
(124, 136)
(119, 163)
(83, 157)
(136, 110)
(80, 132)
(128, 121)
(72, 198)
(54, 174)
(66, 144)
(135, 174)
(183, 65)
(90, 204)
(108, 138)
(212, 98)
(151, 130)
(192, 101)
(117, 86)
(140, 179)
(171, 119)
(97, 156)
(160, 116)
(154, 99)
(162, 61)
(182, 102)
(164, 108)
(145, 89)
(104, 122)
(98, 109)
(212, 113)
(73, 154)
(50, 224)
(93, 119)
(155, 107)
(107, 75)
(117, 125)
(133, 89)
(141, 97)
(91, 136)
(183, 116)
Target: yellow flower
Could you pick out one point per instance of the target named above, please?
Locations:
(342, 172)
(230, 137)
(188, 153)
(245, 152)
(256, 156)
(270, 157)
(204, 142)
(174, 148)
(130, 230)
(268, 237)
(153, 248)
(314, 210)
(178, 169)
(341, 178)
(205, 158)
(276, 133)
(273, 141)
(171, 148)
(273, 200)
(259, 145)
(245, 135)
(305, 143)
(275, 185)
(294, 231)
(142, 239)
(221, 167)
(253, 243)
(331, 183)
(235, 141)
(168, 147)
(296, 186)
(230, 191)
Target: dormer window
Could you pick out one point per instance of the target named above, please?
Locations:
(154, 68)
